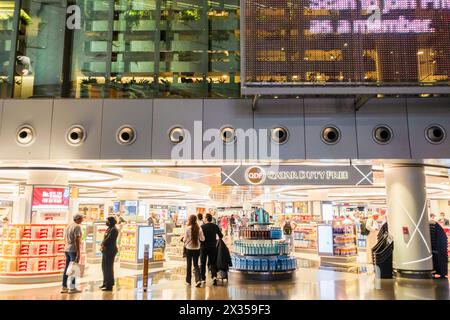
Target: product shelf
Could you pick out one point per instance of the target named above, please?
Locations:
(32, 256)
(260, 253)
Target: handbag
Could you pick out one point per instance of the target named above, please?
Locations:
(75, 269)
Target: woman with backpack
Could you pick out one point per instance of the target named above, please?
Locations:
(192, 237)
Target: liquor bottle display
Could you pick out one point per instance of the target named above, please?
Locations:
(260, 253)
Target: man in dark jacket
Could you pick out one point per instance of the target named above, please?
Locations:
(209, 248)
(109, 250)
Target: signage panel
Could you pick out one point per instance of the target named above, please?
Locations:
(351, 175)
(51, 197)
(329, 44)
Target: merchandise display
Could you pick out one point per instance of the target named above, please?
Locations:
(159, 245)
(128, 243)
(94, 232)
(344, 239)
(305, 236)
(26, 249)
(267, 233)
(174, 249)
(133, 239)
(92, 212)
(261, 247)
(259, 253)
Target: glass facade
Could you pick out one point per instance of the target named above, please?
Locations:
(119, 49)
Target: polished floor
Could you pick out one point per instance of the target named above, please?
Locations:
(310, 282)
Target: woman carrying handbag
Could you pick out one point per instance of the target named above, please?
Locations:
(192, 237)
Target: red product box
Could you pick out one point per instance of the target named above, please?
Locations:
(59, 232)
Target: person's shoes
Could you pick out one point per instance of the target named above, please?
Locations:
(188, 284)
(107, 289)
(102, 287)
(198, 284)
(74, 290)
(64, 290)
(214, 282)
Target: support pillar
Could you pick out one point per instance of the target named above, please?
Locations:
(408, 219)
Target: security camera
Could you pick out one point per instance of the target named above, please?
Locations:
(126, 135)
(76, 135)
(25, 135)
(331, 134)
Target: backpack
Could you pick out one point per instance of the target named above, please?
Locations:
(287, 229)
(364, 231)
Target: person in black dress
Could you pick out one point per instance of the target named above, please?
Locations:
(109, 251)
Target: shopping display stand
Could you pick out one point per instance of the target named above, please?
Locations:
(32, 253)
(94, 234)
(337, 246)
(175, 245)
(133, 239)
(259, 254)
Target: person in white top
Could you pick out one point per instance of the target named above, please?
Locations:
(192, 238)
(373, 226)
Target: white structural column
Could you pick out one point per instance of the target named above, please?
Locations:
(408, 219)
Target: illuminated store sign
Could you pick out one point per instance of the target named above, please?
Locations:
(297, 175)
(49, 197)
(310, 43)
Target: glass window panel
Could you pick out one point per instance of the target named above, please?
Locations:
(6, 37)
(40, 49)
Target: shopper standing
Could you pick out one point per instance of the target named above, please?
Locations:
(443, 220)
(109, 251)
(192, 237)
(288, 234)
(72, 251)
(373, 227)
(224, 224)
(208, 249)
(232, 222)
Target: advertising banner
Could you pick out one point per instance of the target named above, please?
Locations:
(350, 175)
(323, 44)
(49, 197)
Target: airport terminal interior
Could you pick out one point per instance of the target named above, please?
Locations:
(315, 133)
(137, 190)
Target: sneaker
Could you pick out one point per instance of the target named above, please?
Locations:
(75, 290)
(188, 284)
(214, 282)
(107, 289)
(198, 284)
(64, 290)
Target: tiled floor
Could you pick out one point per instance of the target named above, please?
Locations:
(310, 283)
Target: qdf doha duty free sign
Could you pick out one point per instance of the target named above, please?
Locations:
(297, 175)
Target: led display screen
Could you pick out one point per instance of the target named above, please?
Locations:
(51, 197)
(345, 42)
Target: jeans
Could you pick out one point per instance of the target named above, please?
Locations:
(108, 268)
(211, 254)
(70, 256)
(289, 238)
(192, 258)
